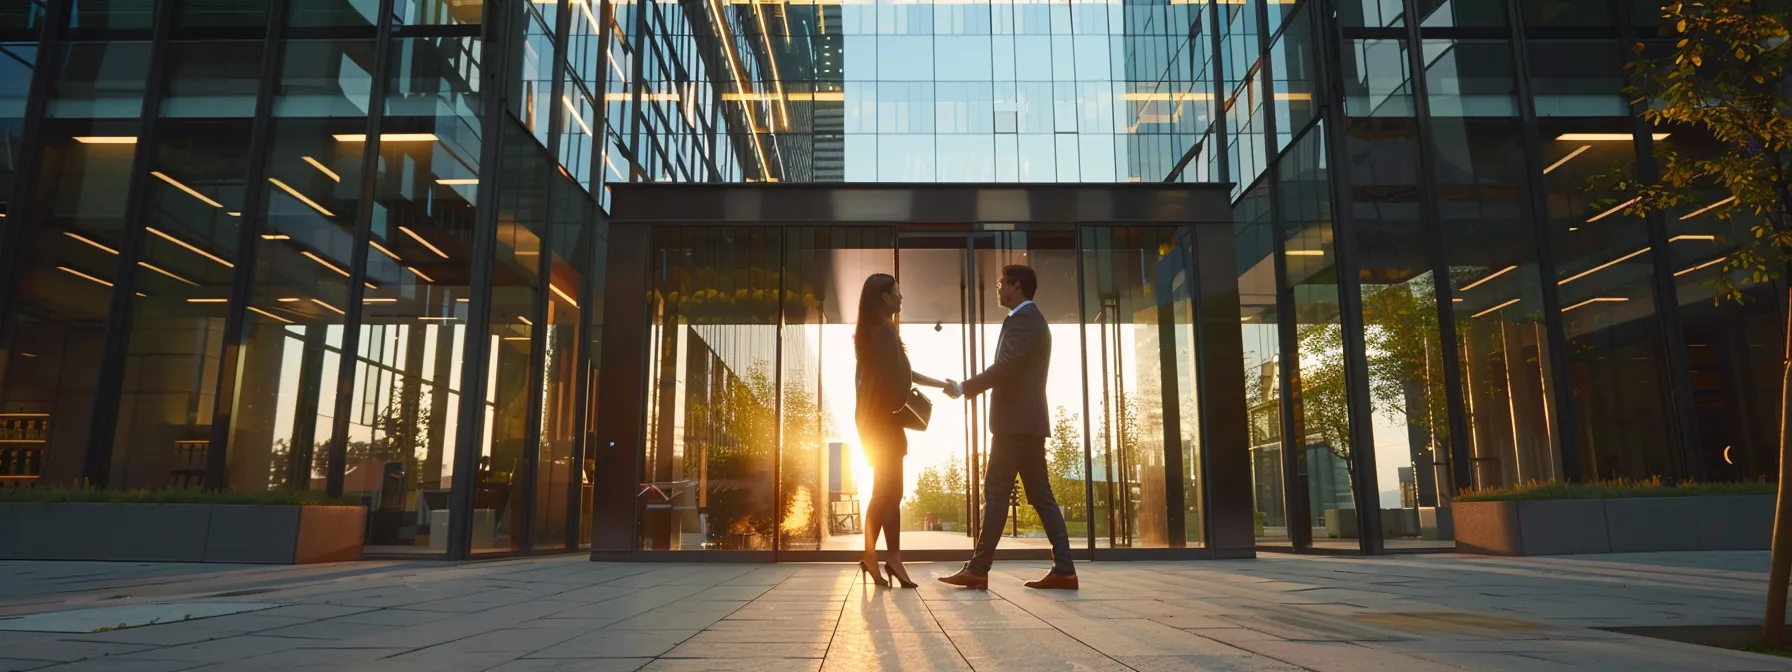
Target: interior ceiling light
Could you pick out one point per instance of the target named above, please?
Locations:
(1602, 267)
(413, 234)
(1306, 253)
(302, 198)
(1605, 137)
(1614, 209)
(1706, 209)
(1495, 274)
(208, 300)
(577, 116)
(461, 181)
(379, 300)
(1496, 309)
(190, 191)
(326, 171)
(1692, 236)
(288, 299)
(275, 236)
(562, 295)
(79, 274)
(79, 237)
(321, 302)
(325, 264)
(376, 245)
(189, 246)
(106, 139)
(1596, 299)
(269, 315)
(388, 137)
(149, 266)
(420, 274)
(1699, 267)
(1571, 155)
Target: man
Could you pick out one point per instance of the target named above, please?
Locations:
(1019, 421)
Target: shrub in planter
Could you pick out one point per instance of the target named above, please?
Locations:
(1614, 517)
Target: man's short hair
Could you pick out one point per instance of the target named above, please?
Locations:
(1023, 276)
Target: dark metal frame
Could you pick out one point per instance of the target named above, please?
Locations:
(122, 309)
(1200, 211)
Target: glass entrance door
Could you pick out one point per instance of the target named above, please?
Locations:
(750, 443)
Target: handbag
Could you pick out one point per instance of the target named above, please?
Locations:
(916, 411)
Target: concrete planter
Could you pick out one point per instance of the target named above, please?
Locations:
(181, 532)
(1638, 525)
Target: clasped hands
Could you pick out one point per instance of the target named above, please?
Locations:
(954, 389)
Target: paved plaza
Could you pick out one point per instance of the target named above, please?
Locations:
(1281, 613)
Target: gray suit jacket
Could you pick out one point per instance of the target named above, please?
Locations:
(1016, 381)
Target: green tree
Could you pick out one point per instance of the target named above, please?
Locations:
(1725, 78)
(1064, 457)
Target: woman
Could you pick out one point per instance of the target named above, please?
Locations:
(884, 379)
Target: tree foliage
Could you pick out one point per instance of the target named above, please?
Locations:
(1725, 78)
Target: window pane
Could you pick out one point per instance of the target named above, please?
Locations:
(192, 216)
(1259, 321)
(1322, 418)
(293, 331)
(1606, 286)
(1500, 335)
(68, 254)
(516, 284)
(710, 452)
(413, 313)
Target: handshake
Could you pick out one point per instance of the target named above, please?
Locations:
(954, 389)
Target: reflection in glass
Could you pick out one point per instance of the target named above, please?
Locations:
(198, 166)
(1321, 415)
(1134, 299)
(499, 504)
(407, 381)
(286, 385)
(824, 478)
(69, 253)
(1258, 325)
(712, 418)
(1605, 280)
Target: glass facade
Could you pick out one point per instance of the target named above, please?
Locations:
(362, 248)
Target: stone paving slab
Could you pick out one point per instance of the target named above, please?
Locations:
(1272, 614)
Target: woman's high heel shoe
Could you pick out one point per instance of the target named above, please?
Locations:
(898, 577)
(865, 570)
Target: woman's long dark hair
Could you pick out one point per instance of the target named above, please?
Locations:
(873, 311)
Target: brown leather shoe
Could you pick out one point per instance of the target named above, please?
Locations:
(1054, 581)
(965, 578)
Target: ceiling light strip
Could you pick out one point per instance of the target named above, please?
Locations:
(1565, 159)
(190, 191)
(269, 315)
(83, 239)
(1602, 267)
(326, 171)
(1703, 266)
(413, 234)
(382, 248)
(1495, 309)
(302, 198)
(1596, 299)
(190, 247)
(1614, 209)
(1482, 281)
(320, 260)
(1706, 209)
(152, 267)
(79, 274)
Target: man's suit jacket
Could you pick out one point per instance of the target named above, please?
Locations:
(1016, 381)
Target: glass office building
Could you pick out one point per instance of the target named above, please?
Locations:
(364, 247)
